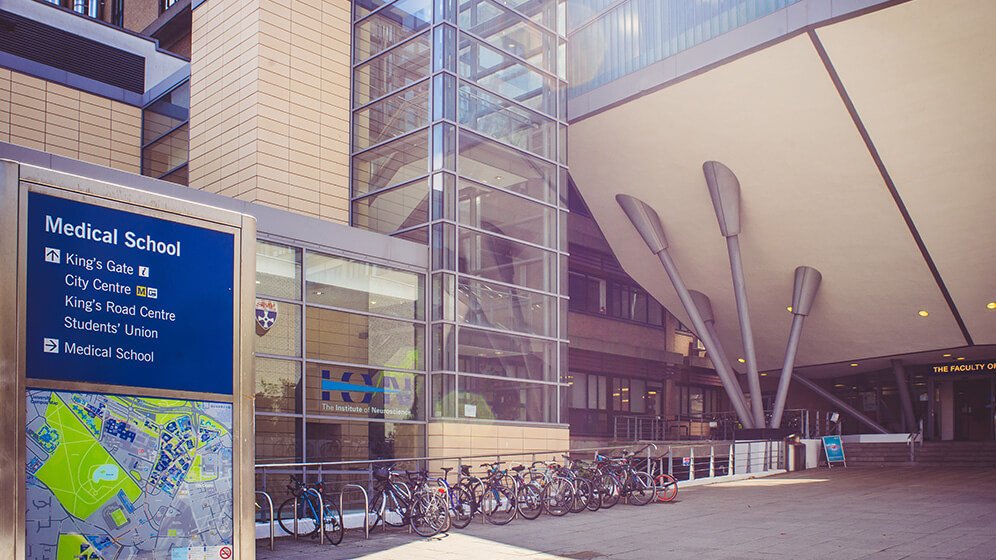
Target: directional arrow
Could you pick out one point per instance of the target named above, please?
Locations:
(51, 345)
(53, 255)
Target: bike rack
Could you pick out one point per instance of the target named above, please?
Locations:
(366, 508)
(321, 515)
(269, 501)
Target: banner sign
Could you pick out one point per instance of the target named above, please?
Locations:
(834, 450)
(963, 367)
(127, 299)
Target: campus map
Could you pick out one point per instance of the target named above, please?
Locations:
(119, 477)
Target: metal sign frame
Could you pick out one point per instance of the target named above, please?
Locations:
(16, 181)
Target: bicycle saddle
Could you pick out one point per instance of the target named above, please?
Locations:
(518, 468)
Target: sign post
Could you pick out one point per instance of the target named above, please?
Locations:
(834, 450)
(133, 352)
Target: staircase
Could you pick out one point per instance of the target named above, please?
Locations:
(930, 454)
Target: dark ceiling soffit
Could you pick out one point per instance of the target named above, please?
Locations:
(873, 151)
(737, 56)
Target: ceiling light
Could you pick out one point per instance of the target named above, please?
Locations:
(922, 313)
(372, 302)
(991, 305)
(318, 293)
(741, 360)
(960, 358)
(854, 365)
(789, 309)
(764, 375)
(945, 355)
(258, 282)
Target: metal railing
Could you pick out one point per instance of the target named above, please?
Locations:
(709, 426)
(269, 502)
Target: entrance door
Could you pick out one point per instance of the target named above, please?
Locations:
(973, 410)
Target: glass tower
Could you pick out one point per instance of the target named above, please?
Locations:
(459, 142)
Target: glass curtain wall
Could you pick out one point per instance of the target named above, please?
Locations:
(340, 358)
(459, 142)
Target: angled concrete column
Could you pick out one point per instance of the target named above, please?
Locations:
(704, 306)
(807, 282)
(843, 406)
(648, 224)
(903, 387)
(724, 189)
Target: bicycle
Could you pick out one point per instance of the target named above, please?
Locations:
(528, 495)
(390, 498)
(312, 504)
(462, 496)
(497, 501)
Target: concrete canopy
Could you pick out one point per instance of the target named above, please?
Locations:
(864, 148)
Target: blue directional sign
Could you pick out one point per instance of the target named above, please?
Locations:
(125, 299)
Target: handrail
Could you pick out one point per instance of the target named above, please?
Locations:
(366, 508)
(269, 500)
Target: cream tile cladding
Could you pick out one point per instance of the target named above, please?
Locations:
(269, 116)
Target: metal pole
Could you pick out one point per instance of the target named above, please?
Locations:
(806, 284)
(903, 387)
(841, 405)
(647, 223)
(724, 190)
(704, 306)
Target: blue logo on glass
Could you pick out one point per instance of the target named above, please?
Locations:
(347, 389)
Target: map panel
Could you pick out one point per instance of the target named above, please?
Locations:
(123, 477)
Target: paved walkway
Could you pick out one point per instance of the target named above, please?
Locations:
(880, 513)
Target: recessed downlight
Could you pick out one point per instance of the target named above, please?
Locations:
(991, 305)
(789, 309)
(854, 364)
(922, 313)
(945, 355)
(741, 360)
(960, 358)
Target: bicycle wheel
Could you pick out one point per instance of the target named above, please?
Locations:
(609, 490)
(463, 506)
(498, 505)
(667, 488)
(429, 513)
(582, 495)
(558, 497)
(640, 489)
(529, 501)
(334, 527)
(389, 507)
(594, 502)
(286, 516)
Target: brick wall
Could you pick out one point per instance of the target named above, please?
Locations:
(270, 103)
(68, 122)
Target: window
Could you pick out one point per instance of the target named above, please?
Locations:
(696, 401)
(166, 4)
(621, 301)
(166, 135)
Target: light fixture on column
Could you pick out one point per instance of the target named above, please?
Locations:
(807, 283)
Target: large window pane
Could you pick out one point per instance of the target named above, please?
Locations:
(541, 11)
(501, 307)
(391, 71)
(361, 286)
(492, 164)
(495, 258)
(167, 153)
(389, 211)
(278, 270)
(283, 335)
(359, 339)
(507, 355)
(391, 164)
(166, 113)
(390, 26)
(501, 399)
(346, 440)
(278, 439)
(497, 118)
(391, 117)
(492, 69)
(444, 396)
(509, 32)
(496, 210)
(278, 386)
(365, 393)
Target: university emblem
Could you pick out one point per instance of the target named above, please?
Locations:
(266, 315)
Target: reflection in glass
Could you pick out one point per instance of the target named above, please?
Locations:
(398, 208)
(346, 440)
(506, 355)
(444, 347)
(494, 70)
(278, 386)
(496, 210)
(390, 26)
(497, 118)
(502, 307)
(283, 337)
(509, 32)
(444, 396)
(364, 393)
(391, 71)
(500, 399)
(363, 286)
(492, 164)
(358, 339)
(391, 117)
(504, 260)
(166, 153)
(166, 113)
(400, 161)
(278, 439)
(278, 270)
